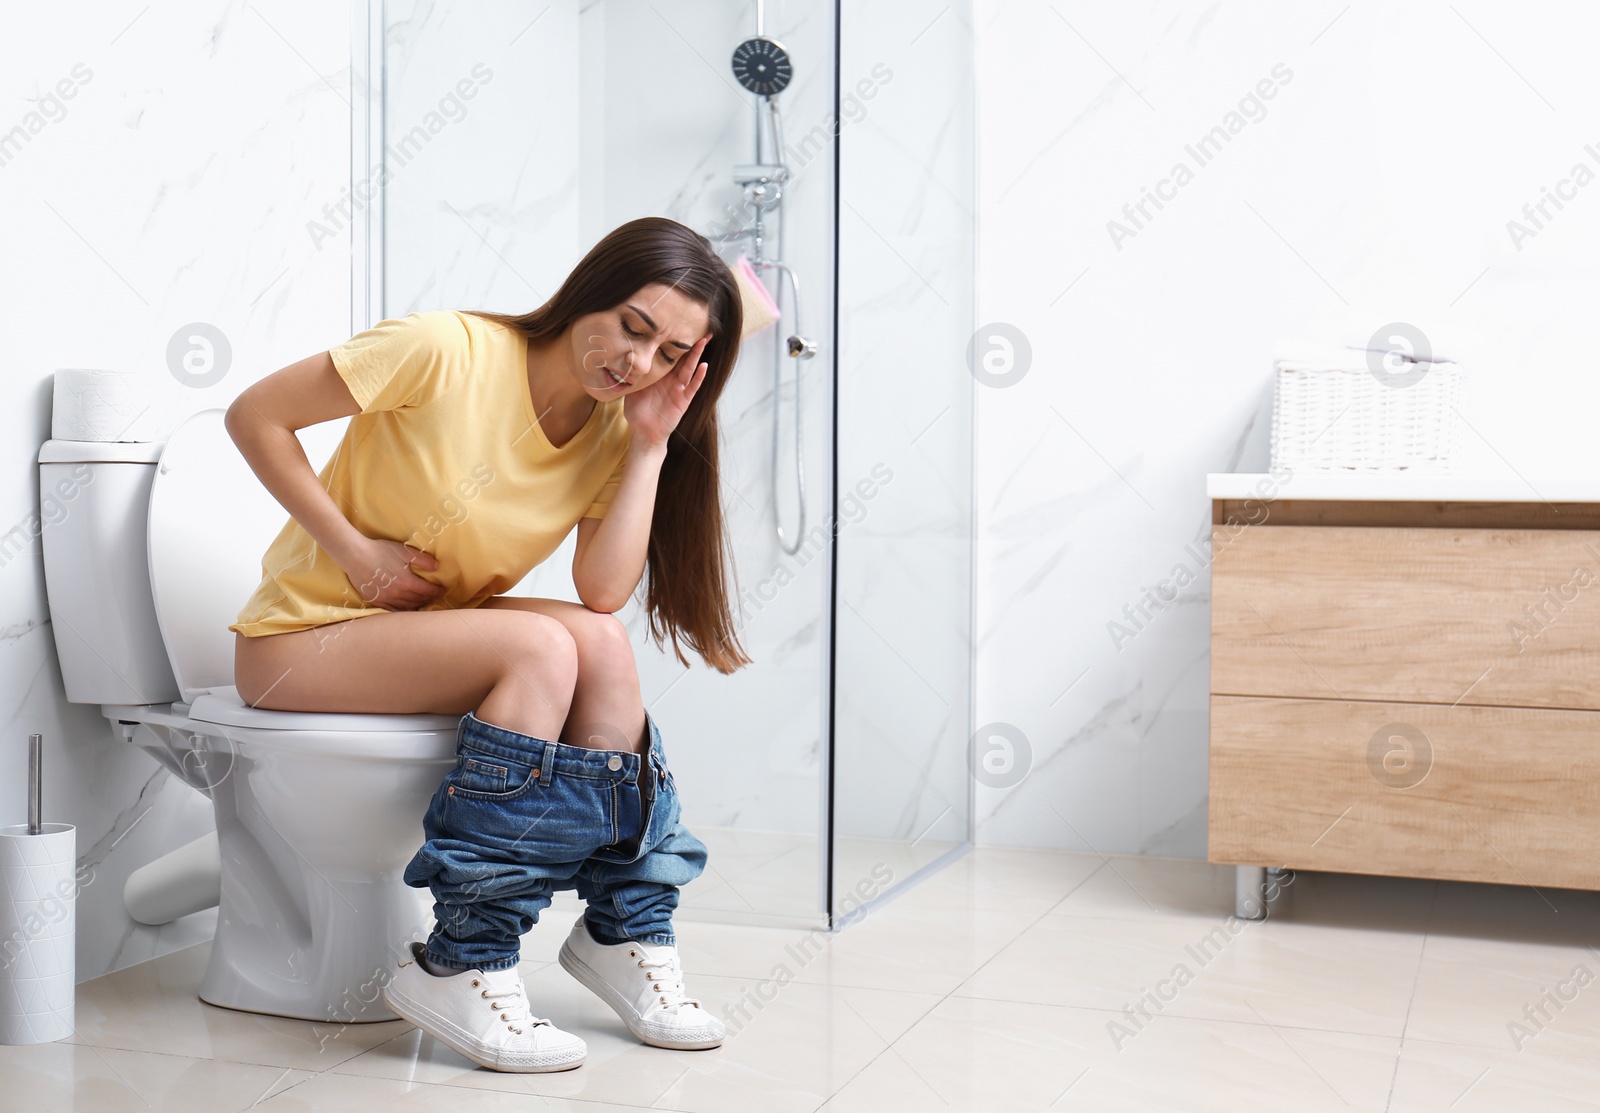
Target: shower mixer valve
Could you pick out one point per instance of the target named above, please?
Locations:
(763, 185)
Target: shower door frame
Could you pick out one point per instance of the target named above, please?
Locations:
(367, 91)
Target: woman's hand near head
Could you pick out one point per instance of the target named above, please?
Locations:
(381, 571)
(654, 412)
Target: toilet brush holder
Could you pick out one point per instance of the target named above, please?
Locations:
(38, 919)
(38, 922)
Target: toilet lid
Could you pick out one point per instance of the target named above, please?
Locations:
(210, 522)
(223, 706)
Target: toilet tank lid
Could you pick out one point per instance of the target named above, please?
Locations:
(100, 452)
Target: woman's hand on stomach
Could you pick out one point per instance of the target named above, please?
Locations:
(381, 571)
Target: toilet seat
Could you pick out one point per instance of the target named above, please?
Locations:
(223, 706)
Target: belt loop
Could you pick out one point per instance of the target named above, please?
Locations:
(548, 764)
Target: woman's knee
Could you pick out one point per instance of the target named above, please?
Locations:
(540, 643)
(604, 648)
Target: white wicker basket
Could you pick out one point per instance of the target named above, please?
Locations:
(1328, 417)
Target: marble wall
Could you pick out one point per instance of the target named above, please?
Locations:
(1375, 160)
(159, 166)
(482, 138)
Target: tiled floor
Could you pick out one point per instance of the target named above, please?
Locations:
(770, 878)
(1003, 983)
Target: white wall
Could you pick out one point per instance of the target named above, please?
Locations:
(1376, 187)
(173, 186)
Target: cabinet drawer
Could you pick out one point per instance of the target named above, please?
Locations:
(1509, 795)
(1487, 616)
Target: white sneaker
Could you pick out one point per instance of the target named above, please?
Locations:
(643, 983)
(482, 1014)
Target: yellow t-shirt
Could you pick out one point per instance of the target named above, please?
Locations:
(445, 455)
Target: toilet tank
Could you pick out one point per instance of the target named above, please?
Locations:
(94, 499)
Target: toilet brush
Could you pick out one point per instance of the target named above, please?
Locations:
(35, 783)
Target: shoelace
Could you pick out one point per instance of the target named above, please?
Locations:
(512, 1007)
(668, 979)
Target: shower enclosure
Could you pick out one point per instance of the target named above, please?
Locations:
(496, 142)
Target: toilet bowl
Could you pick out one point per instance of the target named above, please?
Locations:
(317, 814)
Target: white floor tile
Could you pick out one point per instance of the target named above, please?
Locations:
(1508, 995)
(1271, 972)
(977, 1055)
(343, 1093)
(155, 1006)
(63, 1076)
(1445, 1078)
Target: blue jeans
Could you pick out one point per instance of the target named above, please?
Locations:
(519, 818)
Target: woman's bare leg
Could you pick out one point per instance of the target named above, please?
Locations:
(514, 668)
(607, 708)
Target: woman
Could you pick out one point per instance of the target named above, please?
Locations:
(477, 441)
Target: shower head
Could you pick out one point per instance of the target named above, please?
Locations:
(762, 66)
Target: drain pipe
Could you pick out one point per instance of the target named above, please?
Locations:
(187, 880)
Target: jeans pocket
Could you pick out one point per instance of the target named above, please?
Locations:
(487, 776)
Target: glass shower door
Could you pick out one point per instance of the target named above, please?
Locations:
(902, 606)
(582, 116)
(512, 138)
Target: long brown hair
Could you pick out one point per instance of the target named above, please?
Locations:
(689, 558)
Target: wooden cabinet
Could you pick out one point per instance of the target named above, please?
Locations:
(1410, 689)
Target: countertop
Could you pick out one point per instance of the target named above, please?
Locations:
(1401, 487)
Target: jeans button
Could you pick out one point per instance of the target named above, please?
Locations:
(614, 763)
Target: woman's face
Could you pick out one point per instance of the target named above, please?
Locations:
(629, 348)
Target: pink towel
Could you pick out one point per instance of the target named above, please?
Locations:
(760, 310)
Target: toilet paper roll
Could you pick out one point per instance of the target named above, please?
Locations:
(93, 405)
(38, 921)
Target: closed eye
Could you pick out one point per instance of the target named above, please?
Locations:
(661, 353)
